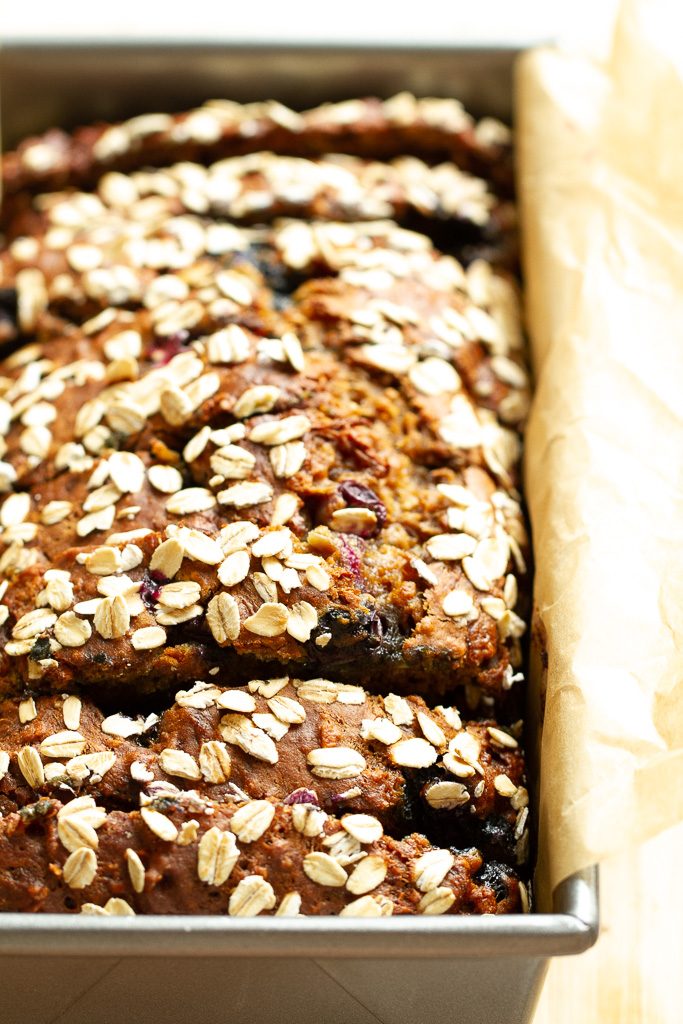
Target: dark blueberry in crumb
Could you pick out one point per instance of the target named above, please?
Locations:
(8, 299)
(165, 350)
(276, 275)
(498, 836)
(152, 583)
(70, 903)
(302, 796)
(8, 313)
(352, 555)
(40, 649)
(497, 877)
(359, 496)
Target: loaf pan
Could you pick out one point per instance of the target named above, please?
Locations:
(68, 970)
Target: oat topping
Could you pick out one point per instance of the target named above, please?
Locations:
(413, 753)
(214, 761)
(114, 907)
(136, 870)
(77, 823)
(235, 700)
(159, 824)
(290, 905)
(251, 897)
(27, 710)
(336, 762)
(80, 868)
(223, 618)
(437, 901)
(447, 795)
(239, 730)
(323, 869)
(367, 875)
(216, 857)
(251, 820)
(308, 819)
(31, 766)
(501, 738)
(179, 763)
(62, 744)
(431, 869)
(368, 906)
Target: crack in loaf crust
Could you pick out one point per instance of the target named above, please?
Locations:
(260, 411)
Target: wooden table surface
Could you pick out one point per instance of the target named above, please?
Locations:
(634, 974)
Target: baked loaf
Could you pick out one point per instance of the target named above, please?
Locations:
(260, 412)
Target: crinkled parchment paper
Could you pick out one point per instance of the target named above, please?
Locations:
(601, 184)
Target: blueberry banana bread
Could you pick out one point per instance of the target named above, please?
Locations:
(263, 562)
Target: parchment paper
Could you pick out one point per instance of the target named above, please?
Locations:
(601, 182)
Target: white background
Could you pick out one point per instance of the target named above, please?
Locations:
(505, 21)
